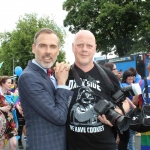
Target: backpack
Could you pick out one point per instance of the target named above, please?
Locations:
(141, 117)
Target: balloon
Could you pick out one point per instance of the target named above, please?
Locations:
(18, 70)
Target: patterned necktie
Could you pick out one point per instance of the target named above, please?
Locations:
(49, 72)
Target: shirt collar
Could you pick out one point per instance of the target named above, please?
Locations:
(34, 61)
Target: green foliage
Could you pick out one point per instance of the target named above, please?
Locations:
(17, 44)
(123, 24)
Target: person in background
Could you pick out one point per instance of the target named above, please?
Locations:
(128, 79)
(6, 107)
(24, 133)
(21, 125)
(45, 101)
(121, 139)
(145, 136)
(114, 69)
(21, 121)
(137, 77)
(85, 129)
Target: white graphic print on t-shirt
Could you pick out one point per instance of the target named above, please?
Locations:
(83, 117)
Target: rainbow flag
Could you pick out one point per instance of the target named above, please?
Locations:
(12, 98)
(145, 141)
(16, 99)
(12, 88)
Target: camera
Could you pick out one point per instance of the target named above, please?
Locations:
(131, 90)
(107, 107)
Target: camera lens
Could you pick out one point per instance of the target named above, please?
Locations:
(123, 123)
(120, 120)
(113, 116)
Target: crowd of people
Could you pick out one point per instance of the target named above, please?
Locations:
(126, 140)
(57, 105)
(10, 110)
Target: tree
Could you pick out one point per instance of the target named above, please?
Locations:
(113, 22)
(143, 30)
(16, 45)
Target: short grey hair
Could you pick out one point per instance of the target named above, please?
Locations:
(48, 31)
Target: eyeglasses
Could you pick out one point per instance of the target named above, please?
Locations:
(114, 69)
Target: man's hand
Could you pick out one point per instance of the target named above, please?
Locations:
(18, 106)
(117, 139)
(62, 72)
(127, 105)
(104, 120)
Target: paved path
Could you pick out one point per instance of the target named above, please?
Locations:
(137, 143)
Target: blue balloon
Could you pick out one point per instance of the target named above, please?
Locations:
(18, 70)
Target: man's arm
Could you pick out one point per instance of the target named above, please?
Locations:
(38, 96)
(127, 106)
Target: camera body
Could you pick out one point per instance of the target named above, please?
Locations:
(103, 106)
(131, 90)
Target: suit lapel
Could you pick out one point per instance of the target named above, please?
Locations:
(47, 78)
(41, 71)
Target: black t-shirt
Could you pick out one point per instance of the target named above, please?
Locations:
(84, 130)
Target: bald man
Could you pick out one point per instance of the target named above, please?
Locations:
(85, 129)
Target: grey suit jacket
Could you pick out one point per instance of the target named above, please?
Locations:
(45, 109)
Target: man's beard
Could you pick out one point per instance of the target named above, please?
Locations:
(46, 65)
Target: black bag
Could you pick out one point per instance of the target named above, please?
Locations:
(141, 117)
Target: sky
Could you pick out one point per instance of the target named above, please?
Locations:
(11, 10)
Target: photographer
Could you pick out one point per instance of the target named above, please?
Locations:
(128, 79)
(85, 129)
(145, 136)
